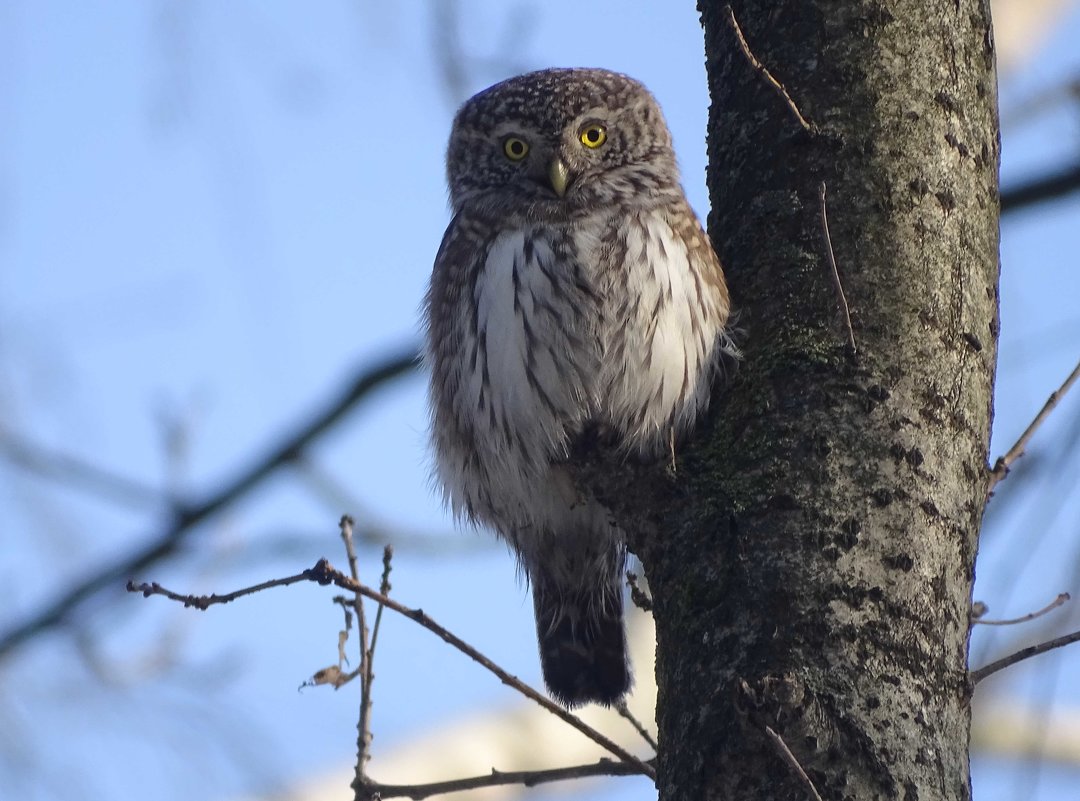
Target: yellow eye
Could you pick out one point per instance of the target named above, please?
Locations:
(515, 149)
(592, 136)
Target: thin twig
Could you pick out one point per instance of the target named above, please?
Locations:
(841, 299)
(204, 602)
(70, 471)
(384, 588)
(757, 65)
(639, 597)
(324, 573)
(1022, 654)
(367, 666)
(363, 725)
(188, 517)
(345, 526)
(528, 778)
(1049, 186)
(625, 712)
(1002, 465)
(1050, 607)
(789, 757)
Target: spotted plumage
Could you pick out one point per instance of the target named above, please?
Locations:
(574, 291)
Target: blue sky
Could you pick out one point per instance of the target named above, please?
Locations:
(210, 215)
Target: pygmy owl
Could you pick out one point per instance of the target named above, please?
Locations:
(574, 291)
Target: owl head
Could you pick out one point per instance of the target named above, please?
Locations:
(560, 142)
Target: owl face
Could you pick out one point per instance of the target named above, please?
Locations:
(556, 143)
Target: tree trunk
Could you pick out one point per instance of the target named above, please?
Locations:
(811, 557)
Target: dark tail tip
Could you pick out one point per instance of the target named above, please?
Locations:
(582, 650)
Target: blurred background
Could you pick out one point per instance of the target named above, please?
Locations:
(215, 220)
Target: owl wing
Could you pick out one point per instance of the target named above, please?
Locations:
(669, 304)
(451, 352)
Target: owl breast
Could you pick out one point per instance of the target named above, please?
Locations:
(615, 320)
(532, 372)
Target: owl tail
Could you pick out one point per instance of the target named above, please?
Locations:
(582, 643)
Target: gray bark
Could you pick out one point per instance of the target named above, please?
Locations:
(811, 555)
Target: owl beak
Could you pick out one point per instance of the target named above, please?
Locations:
(559, 175)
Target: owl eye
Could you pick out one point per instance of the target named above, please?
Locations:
(515, 149)
(592, 136)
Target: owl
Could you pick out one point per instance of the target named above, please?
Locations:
(574, 292)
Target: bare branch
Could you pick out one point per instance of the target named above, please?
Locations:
(624, 711)
(1038, 190)
(345, 526)
(841, 299)
(528, 778)
(384, 588)
(367, 651)
(793, 763)
(204, 602)
(363, 726)
(1001, 466)
(1022, 654)
(324, 573)
(187, 517)
(1050, 607)
(757, 65)
(71, 471)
